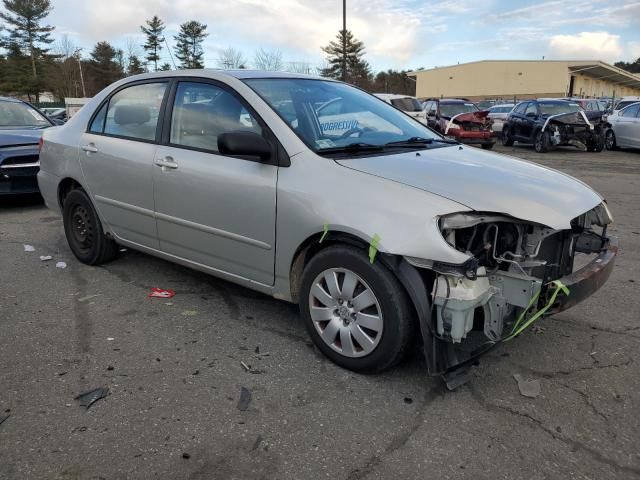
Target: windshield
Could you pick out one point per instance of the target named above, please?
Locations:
(452, 109)
(21, 115)
(327, 115)
(407, 104)
(555, 108)
(625, 103)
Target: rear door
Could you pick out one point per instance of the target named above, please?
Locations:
(529, 121)
(116, 156)
(516, 119)
(625, 125)
(212, 209)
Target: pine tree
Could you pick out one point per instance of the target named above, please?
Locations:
(104, 68)
(153, 45)
(26, 32)
(189, 44)
(165, 67)
(135, 66)
(357, 71)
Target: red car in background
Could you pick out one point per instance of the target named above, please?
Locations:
(460, 120)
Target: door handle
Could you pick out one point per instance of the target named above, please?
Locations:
(166, 163)
(91, 148)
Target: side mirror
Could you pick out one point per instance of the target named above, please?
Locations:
(244, 143)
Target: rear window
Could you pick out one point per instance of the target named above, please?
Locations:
(555, 108)
(625, 103)
(407, 104)
(452, 109)
(500, 109)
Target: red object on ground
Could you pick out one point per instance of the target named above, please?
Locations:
(161, 293)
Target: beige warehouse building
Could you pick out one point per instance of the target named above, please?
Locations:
(526, 79)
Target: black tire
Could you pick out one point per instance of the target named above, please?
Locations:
(596, 144)
(487, 146)
(507, 141)
(541, 144)
(397, 312)
(610, 140)
(84, 232)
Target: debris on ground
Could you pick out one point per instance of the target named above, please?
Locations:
(528, 388)
(45, 258)
(189, 313)
(89, 398)
(161, 293)
(408, 400)
(89, 297)
(110, 339)
(186, 456)
(3, 417)
(61, 265)
(245, 366)
(538, 330)
(29, 248)
(245, 399)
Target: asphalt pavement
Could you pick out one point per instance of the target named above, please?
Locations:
(175, 369)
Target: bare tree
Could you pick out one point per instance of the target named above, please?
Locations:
(302, 67)
(270, 60)
(230, 59)
(64, 74)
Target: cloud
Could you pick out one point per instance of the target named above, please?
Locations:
(586, 45)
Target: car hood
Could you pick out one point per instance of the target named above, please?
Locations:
(473, 117)
(486, 182)
(19, 137)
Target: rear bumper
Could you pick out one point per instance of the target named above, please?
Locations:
(586, 281)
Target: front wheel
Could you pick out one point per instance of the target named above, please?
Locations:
(84, 232)
(356, 312)
(542, 142)
(610, 140)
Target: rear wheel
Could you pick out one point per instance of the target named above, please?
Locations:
(356, 312)
(541, 143)
(507, 140)
(84, 232)
(596, 144)
(610, 140)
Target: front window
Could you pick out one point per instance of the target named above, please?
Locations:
(555, 108)
(327, 115)
(407, 104)
(21, 115)
(450, 110)
(631, 111)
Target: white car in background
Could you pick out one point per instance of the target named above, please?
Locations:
(409, 105)
(624, 129)
(624, 102)
(499, 114)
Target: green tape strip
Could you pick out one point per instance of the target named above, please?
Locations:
(518, 329)
(326, 230)
(373, 247)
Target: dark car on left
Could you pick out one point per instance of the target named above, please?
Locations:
(21, 126)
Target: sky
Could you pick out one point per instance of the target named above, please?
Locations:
(398, 34)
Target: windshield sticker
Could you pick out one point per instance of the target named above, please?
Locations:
(341, 125)
(35, 114)
(325, 143)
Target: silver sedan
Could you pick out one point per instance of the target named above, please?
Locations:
(315, 192)
(624, 131)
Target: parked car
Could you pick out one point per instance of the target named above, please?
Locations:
(21, 127)
(56, 114)
(624, 102)
(624, 128)
(409, 105)
(498, 114)
(365, 229)
(460, 120)
(551, 123)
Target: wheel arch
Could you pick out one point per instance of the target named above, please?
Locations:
(64, 187)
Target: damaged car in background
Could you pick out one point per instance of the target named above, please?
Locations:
(554, 123)
(460, 120)
(383, 228)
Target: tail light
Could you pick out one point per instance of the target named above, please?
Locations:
(40, 144)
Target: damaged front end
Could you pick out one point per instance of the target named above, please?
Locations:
(470, 128)
(575, 129)
(514, 268)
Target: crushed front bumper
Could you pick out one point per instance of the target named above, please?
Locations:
(586, 281)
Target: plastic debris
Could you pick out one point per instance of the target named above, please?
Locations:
(161, 293)
(528, 388)
(45, 258)
(61, 265)
(245, 366)
(3, 417)
(89, 398)
(89, 297)
(245, 399)
(110, 339)
(29, 248)
(186, 456)
(189, 313)
(373, 247)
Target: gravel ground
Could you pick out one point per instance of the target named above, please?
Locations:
(174, 373)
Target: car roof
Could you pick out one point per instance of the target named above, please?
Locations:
(391, 96)
(453, 100)
(11, 99)
(218, 73)
(503, 105)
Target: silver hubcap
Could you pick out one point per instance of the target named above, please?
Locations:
(345, 312)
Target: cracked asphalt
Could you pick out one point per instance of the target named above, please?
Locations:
(174, 372)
